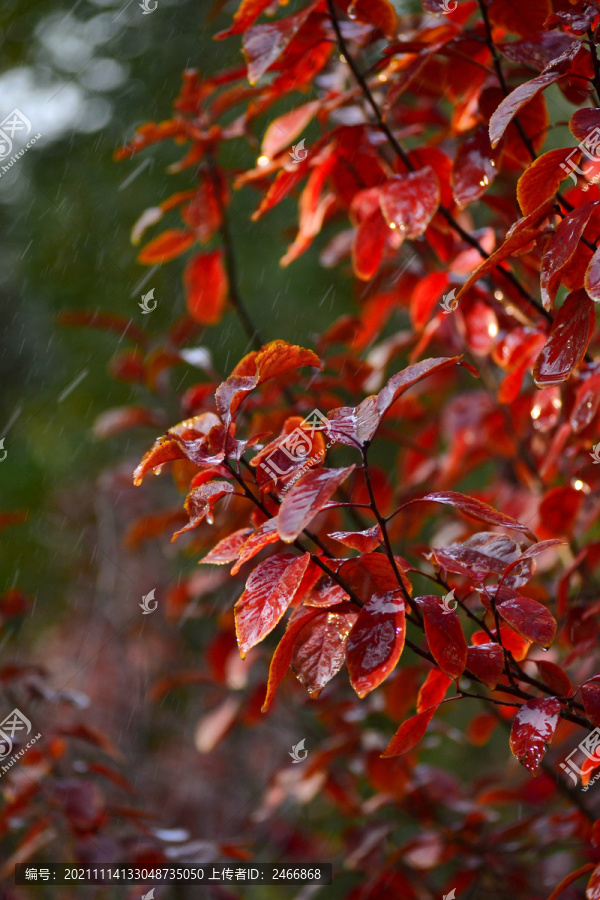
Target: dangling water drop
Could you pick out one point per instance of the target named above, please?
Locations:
(352, 11)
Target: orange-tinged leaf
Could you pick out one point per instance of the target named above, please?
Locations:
(376, 641)
(282, 131)
(269, 591)
(275, 358)
(409, 202)
(481, 728)
(306, 499)
(364, 541)
(557, 679)
(569, 337)
(264, 44)
(174, 445)
(409, 734)
(520, 19)
(214, 726)
(228, 549)
(380, 13)
(206, 287)
(264, 535)
(248, 11)
(166, 246)
(320, 649)
(541, 180)
(115, 421)
(444, 635)
(373, 573)
(433, 690)
(200, 501)
(532, 731)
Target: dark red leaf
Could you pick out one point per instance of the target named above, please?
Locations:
(306, 499)
(409, 202)
(515, 101)
(529, 619)
(228, 549)
(486, 662)
(590, 694)
(569, 337)
(365, 541)
(475, 168)
(532, 731)
(444, 635)
(560, 249)
(200, 502)
(320, 649)
(474, 509)
(376, 641)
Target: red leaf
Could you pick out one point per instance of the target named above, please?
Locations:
(557, 679)
(444, 635)
(376, 641)
(592, 277)
(181, 442)
(569, 337)
(320, 649)
(475, 509)
(521, 20)
(529, 619)
(590, 694)
(282, 131)
(364, 541)
(368, 245)
(306, 499)
(269, 591)
(259, 366)
(482, 554)
(486, 662)
(585, 405)
(515, 101)
(373, 573)
(357, 425)
(541, 180)
(433, 690)
(115, 421)
(200, 501)
(409, 734)
(521, 233)
(206, 287)
(409, 202)
(282, 657)
(247, 13)
(264, 44)
(475, 168)
(380, 13)
(532, 730)
(166, 246)
(228, 549)
(532, 552)
(560, 249)
(263, 536)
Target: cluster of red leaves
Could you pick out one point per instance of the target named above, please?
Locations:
(431, 129)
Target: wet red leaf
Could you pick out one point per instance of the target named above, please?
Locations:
(590, 694)
(247, 12)
(200, 502)
(529, 619)
(409, 202)
(306, 499)
(515, 101)
(283, 130)
(264, 535)
(320, 649)
(206, 287)
(364, 541)
(541, 180)
(533, 730)
(444, 635)
(475, 509)
(475, 168)
(486, 662)
(560, 249)
(569, 337)
(228, 549)
(376, 641)
(269, 591)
